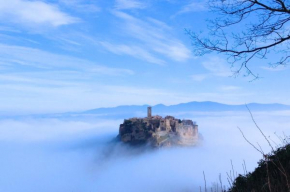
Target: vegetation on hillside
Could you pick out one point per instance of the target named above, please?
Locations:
(271, 175)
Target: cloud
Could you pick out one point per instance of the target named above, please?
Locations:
(129, 4)
(158, 23)
(217, 66)
(74, 149)
(41, 129)
(229, 88)
(154, 36)
(275, 68)
(134, 51)
(9, 29)
(81, 6)
(25, 57)
(195, 6)
(199, 77)
(32, 13)
(31, 78)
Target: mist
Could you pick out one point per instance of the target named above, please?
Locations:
(79, 153)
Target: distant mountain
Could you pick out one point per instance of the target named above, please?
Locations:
(207, 106)
(181, 110)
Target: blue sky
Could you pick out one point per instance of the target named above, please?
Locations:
(67, 55)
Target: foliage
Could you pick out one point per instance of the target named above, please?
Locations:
(271, 175)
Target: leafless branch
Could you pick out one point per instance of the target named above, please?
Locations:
(263, 25)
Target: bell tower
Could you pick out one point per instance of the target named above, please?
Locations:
(149, 112)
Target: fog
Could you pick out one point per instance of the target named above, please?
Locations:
(79, 154)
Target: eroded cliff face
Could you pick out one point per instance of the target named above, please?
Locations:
(159, 132)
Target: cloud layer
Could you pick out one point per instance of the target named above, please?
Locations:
(45, 154)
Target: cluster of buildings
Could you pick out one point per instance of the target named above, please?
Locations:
(159, 131)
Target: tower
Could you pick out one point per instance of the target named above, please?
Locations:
(149, 112)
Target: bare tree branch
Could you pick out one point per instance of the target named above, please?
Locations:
(264, 29)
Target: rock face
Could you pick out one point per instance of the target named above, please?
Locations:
(158, 131)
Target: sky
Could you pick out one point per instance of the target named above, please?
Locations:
(71, 55)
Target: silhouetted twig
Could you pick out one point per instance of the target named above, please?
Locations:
(204, 182)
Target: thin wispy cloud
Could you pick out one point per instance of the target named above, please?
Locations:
(275, 68)
(229, 88)
(20, 57)
(81, 5)
(132, 50)
(217, 66)
(158, 23)
(195, 6)
(199, 77)
(30, 13)
(153, 36)
(9, 29)
(129, 4)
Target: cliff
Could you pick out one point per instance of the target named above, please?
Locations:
(158, 131)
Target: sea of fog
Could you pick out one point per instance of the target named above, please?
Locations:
(76, 154)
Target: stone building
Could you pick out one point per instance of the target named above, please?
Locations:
(158, 131)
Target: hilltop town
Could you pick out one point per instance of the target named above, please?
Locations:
(158, 131)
